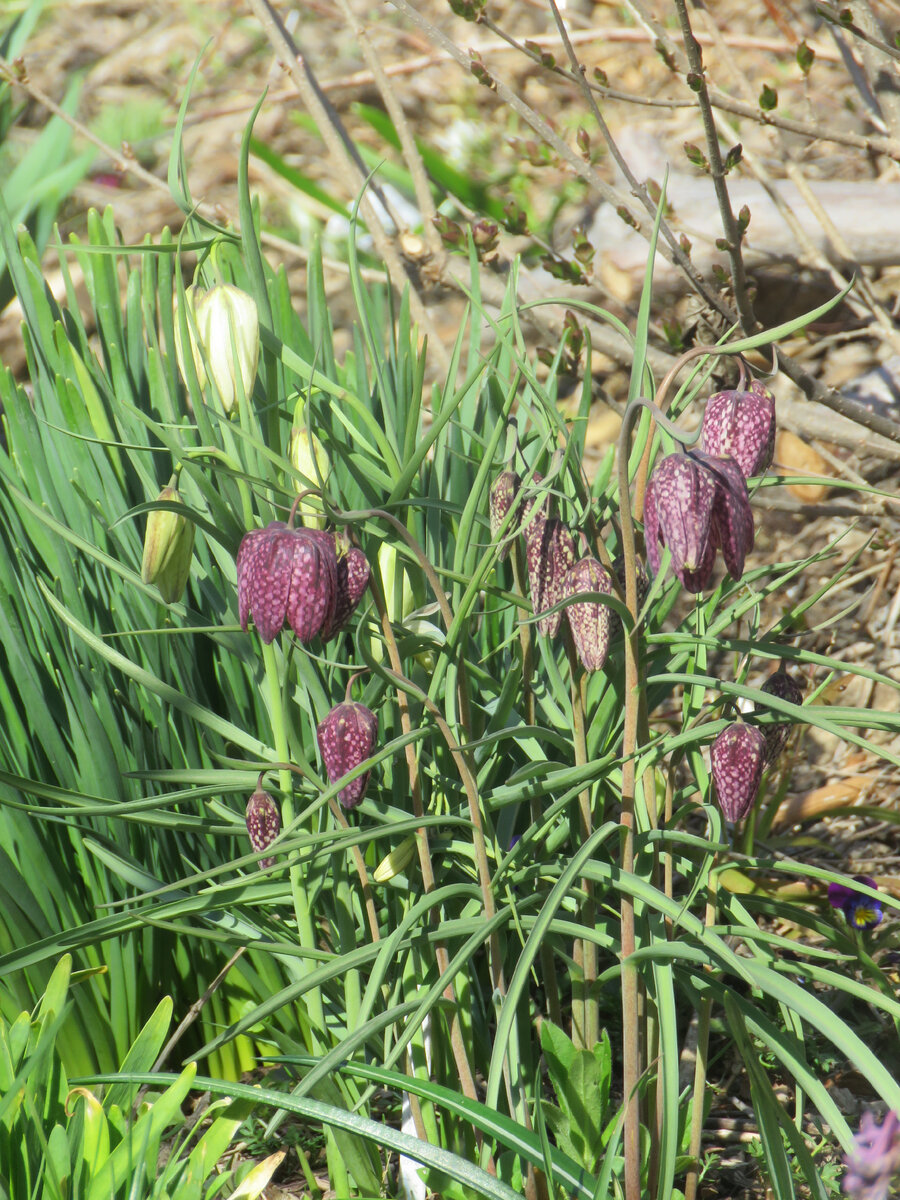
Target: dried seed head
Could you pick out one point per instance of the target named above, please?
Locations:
(678, 513)
(504, 493)
(738, 757)
(168, 548)
(346, 738)
(550, 552)
(742, 424)
(589, 620)
(263, 822)
(286, 574)
(783, 687)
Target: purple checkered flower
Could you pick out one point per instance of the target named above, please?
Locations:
(742, 424)
(288, 575)
(737, 759)
(694, 504)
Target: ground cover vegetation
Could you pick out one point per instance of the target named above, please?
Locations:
(400, 791)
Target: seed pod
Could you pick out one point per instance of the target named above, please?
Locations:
(168, 548)
(589, 619)
(263, 821)
(783, 687)
(550, 552)
(504, 493)
(228, 325)
(286, 575)
(742, 424)
(738, 756)
(346, 738)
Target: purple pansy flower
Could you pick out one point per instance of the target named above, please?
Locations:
(862, 912)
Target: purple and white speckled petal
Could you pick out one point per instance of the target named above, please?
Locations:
(685, 499)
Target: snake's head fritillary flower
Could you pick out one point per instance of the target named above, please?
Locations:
(286, 575)
(351, 581)
(263, 822)
(228, 327)
(504, 495)
(678, 514)
(737, 758)
(742, 424)
(589, 620)
(783, 687)
(695, 503)
(549, 553)
(862, 912)
(347, 738)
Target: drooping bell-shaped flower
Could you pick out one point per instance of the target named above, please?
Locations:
(504, 494)
(678, 513)
(737, 758)
(732, 516)
(695, 503)
(168, 548)
(288, 575)
(742, 424)
(589, 620)
(351, 581)
(346, 738)
(228, 327)
(263, 821)
(549, 553)
(783, 687)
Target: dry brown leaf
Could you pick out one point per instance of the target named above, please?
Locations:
(811, 805)
(794, 457)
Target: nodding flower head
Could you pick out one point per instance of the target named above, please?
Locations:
(287, 575)
(737, 759)
(589, 620)
(504, 495)
(549, 552)
(783, 687)
(347, 738)
(742, 424)
(263, 821)
(695, 503)
(862, 912)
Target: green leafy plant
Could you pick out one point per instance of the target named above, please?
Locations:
(59, 1140)
(569, 862)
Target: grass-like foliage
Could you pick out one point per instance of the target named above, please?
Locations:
(538, 894)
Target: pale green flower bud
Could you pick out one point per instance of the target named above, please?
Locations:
(168, 548)
(228, 324)
(395, 862)
(310, 459)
